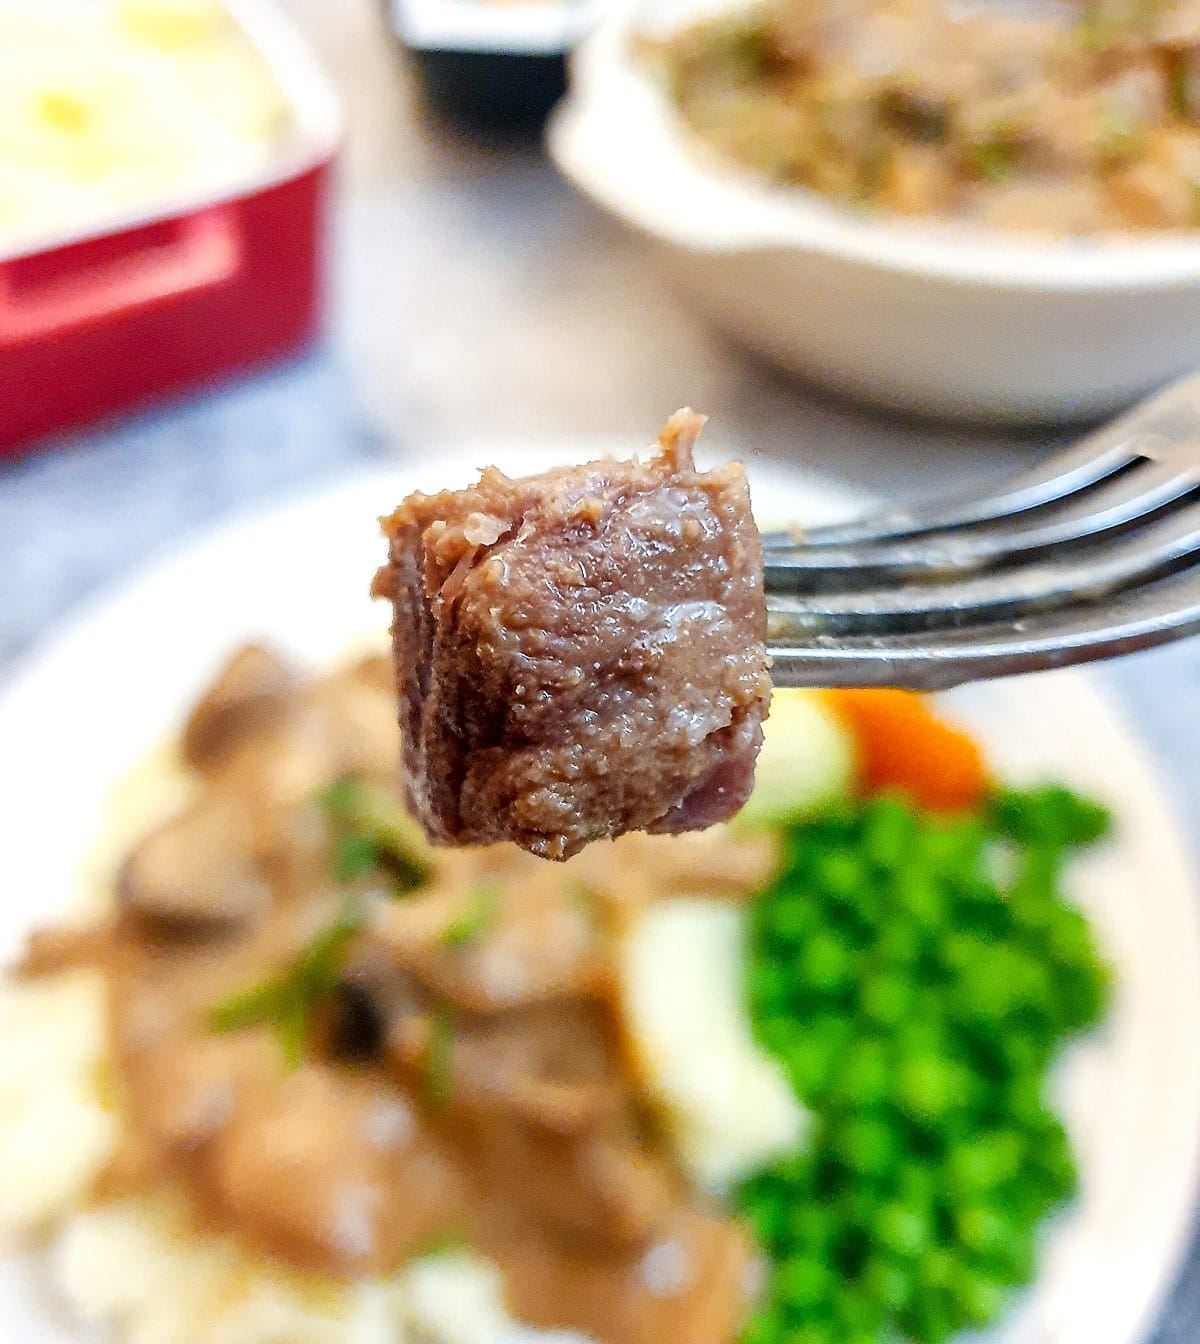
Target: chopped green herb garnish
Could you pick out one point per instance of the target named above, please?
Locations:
(1183, 90)
(1093, 32)
(353, 857)
(590, 904)
(479, 912)
(447, 1241)
(265, 1002)
(1117, 135)
(340, 799)
(742, 50)
(286, 1001)
(316, 970)
(291, 1031)
(439, 1060)
(993, 159)
(370, 816)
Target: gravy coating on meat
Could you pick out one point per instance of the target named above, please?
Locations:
(345, 1046)
(582, 653)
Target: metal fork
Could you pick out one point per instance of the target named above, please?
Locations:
(1094, 554)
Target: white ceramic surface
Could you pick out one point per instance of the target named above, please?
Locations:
(512, 28)
(931, 317)
(120, 675)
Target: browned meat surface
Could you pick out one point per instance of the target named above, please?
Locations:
(342, 1092)
(581, 653)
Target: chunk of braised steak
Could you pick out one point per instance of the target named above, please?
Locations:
(580, 653)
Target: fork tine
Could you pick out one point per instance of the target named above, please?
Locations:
(1066, 474)
(1108, 509)
(1154, 428)
(1152, 614)
(1008, 593)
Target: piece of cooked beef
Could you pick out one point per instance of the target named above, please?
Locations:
(580, 653)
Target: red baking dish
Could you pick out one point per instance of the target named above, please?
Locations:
(184, 295)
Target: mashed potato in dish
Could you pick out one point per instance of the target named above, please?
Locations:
(113, 107)
(301, 1077)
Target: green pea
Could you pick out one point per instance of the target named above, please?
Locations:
(808, 1332)
(978, 1297)
(902, 1229)
(856, 1314)
(995, 1238)
(868, 1146)
(888, 1284)
(801, 1282)
(984, 1163)
(930, 1087)
(811, 1227)
(886, 998)
(917, 1010)
(928, 1320)
(825, 965)
(768, 1221)
(770, 987)
(838, 873)
(921, 898)
(811, 1063)
(898, 946)
(791, 920)
(935, 1270)
(890, 831)
(864, 1076)
(764, 1327)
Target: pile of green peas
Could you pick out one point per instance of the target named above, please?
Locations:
(915, 975)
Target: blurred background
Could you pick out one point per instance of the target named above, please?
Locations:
(401, 269)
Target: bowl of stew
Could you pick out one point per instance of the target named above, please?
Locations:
(986, 213)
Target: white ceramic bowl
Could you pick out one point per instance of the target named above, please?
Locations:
(937, 318)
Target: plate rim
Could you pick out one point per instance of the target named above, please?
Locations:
(80, 624)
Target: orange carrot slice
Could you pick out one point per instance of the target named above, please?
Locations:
(902, 744)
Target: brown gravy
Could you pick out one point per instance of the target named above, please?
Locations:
(463, 1072)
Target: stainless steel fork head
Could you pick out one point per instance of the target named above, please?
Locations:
(1096, 553)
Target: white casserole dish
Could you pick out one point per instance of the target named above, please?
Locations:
(935, 318)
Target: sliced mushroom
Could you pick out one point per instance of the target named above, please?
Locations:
(249, 693)
(196, 870)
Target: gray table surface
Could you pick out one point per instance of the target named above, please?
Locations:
(476, 297)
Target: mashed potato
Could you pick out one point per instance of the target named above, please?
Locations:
(55, 1131)
(136, 1266)
(111, 108)
(728, 1104)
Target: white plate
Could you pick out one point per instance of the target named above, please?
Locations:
(120, 675)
